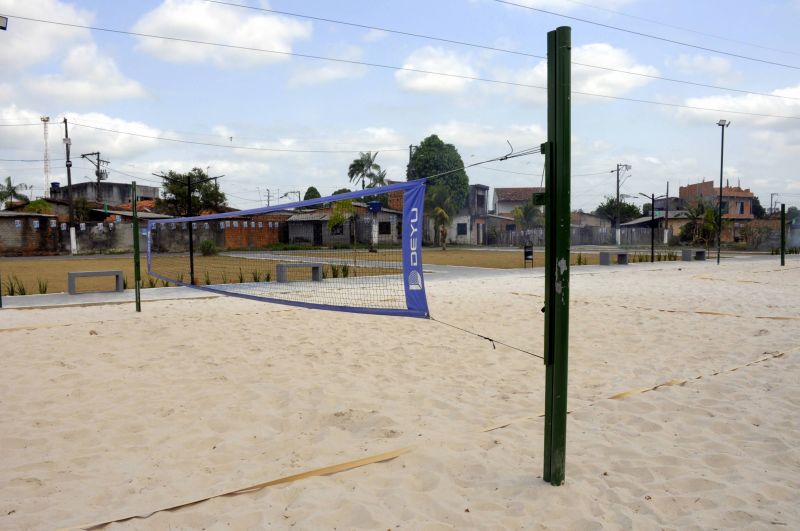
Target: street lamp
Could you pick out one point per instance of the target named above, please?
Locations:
(652, 198)
(723, 124)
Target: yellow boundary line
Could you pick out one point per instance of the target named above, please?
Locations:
(325, 471)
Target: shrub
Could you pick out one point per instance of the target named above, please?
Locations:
(241, 276)
(42, 285)
(256, 275)
(208, 248)
(151, 282)
(269, 276)
(345, 270)
(224, 277)
(207, 279)
(11, 285)
(124, 282)
(334, 271)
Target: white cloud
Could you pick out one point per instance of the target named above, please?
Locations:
(374, 35)
(584, 78)
(330, 71)
(489, 138)
(203, 21)
(88, 78)
(6, 92)
(750, 103)
(434, 59)
(700, 64)
(26, 43)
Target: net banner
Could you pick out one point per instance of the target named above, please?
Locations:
(356, 252)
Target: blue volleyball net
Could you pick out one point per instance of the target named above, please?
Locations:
(356, 252)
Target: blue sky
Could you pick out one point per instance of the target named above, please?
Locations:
(258, 100)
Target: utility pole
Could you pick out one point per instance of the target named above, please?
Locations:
(771, 203)
(101, 175)
(45, 122)
(67, 143)
(625, 167)
(723, 124)
(189, 183)
(666, 217)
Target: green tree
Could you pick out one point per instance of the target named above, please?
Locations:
(206, 196)
(311, 193)
(433, 157)
(792, 213)
(608, 209)
(528, 215)
(365, 168)
(758, 210)
(39, 206)
(342, 191)
(442, 209)
(9, 192)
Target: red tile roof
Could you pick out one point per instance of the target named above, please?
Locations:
(516, 194)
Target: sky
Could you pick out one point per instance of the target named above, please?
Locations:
(280, 123)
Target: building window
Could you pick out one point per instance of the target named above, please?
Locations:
(481, 201)
(511, 227)
(337, 230)
(384, 227)
(741, 207)
(461, 229)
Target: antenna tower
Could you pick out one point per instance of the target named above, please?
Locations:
(45, 121)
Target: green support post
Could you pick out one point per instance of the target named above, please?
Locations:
(557, 244)
(783, 234)
(137, 273)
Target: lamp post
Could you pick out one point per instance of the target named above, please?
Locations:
(723, 124)
(652, 198)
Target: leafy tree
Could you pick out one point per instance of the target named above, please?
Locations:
(528, 215)
(792, 213)
(608, 209)
(442, 210)
(9, 192)
(81, 209)
(311, 193)
(758, 210)
(342, 191)
(205, 196)
(433, 157)
(702, 226)
(365, 168)
(39, 206)
(340, 213)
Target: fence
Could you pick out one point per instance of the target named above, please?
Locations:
(579, 236)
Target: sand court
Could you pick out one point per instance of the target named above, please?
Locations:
(107, 413)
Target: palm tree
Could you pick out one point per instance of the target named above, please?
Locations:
(439, 202)
(364, 168)
(10, 192)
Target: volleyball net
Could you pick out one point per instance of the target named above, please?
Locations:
(357, 252)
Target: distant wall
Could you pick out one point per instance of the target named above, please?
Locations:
(28, 235)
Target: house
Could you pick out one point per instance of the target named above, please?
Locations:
(468, 226)
(56, 207)
(674, 223)
(584, 219)
(500, 230)
(28, 233)
(737, 205)
(507, 199)
(102, 192)
(122, 216)
(311, 226)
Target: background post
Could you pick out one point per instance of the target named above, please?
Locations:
(137, 274)
(783, 234)
(557, 244)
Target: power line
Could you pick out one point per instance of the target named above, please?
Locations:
(649, 36)
(388, 67)
(29, 160)
(231, 146)
(673, 26)
(496, 49)
(19, 125)
(506, 171)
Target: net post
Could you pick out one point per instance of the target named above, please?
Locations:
(137, 273)
(783, 234)
(557, 246)
(191, 235)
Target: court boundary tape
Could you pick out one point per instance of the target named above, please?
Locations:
(640, 390)
(324, 471)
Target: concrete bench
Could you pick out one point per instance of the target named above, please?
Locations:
(605, 257)
(316, 270)
(71, 276)
(687, 255)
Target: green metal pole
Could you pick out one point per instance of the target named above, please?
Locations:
(137, 274)
(557, 243)
(783, 234)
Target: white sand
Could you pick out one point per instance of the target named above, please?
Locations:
(105, 413)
